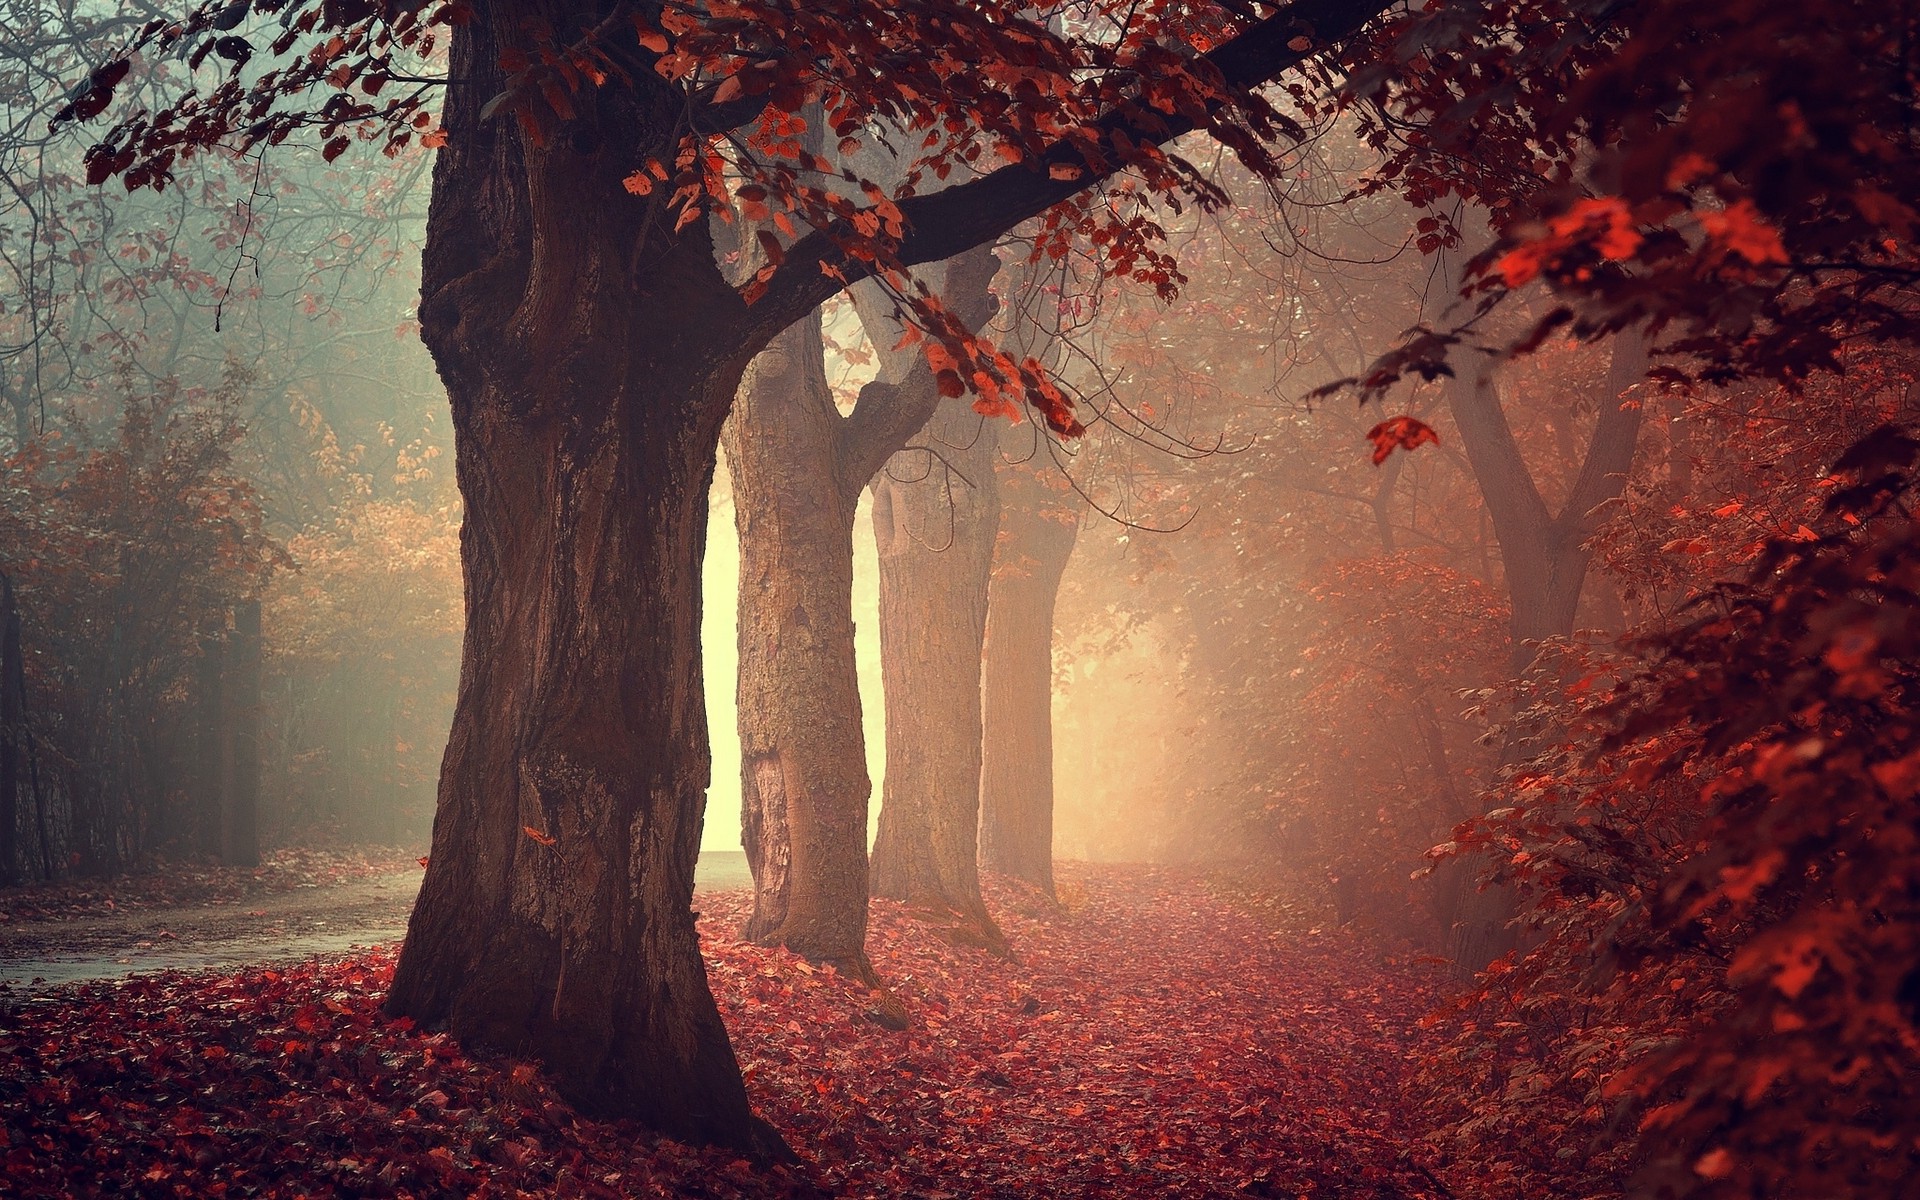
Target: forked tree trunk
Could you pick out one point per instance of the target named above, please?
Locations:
(590, 355)
(935, 515)
(798, 470)
(1037, 533)
(1544, 557)
(804, 785)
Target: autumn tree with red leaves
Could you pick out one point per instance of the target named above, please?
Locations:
(591, 346)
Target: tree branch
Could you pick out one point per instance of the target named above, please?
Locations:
(1610, 452)
(944, 223)
(899, 404)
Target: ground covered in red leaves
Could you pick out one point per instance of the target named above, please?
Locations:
(170, 884)
(1151, 1040)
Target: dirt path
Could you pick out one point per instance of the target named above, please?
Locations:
(306, 921)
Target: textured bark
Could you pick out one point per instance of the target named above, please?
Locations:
(1037, 533)
(935, 516)
(590, 354)
(804, 785)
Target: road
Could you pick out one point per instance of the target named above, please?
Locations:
(289, 925)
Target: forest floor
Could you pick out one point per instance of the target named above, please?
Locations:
(1157, 1036)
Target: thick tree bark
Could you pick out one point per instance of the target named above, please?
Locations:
(590, 354)
(935, 516)
(804, 785)
(1037, 533)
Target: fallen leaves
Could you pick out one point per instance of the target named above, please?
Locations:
(1153, 1041)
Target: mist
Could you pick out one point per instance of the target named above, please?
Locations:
(942, 599)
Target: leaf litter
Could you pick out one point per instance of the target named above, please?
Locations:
(1150, 1039)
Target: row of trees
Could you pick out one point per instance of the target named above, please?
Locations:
(593, 343)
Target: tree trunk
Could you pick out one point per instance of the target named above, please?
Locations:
(1037, 533)
(590, 353)
(1544, 557)
(1544, 554)
(798, 469)
(804, 785)
(10, 714)
(241, 845)
(935, 514)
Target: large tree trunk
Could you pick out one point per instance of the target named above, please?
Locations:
(590, 354)
(804, 785)
(1037, 533)
(935, 514)
(798, 468)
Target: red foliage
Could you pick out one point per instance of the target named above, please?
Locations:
(1716, 865)
(1151, 1042)
(1400, 433)
(1619, 150)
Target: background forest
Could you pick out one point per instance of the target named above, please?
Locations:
(1477, 521)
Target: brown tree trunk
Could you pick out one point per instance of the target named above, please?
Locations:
(935, 515)
(590, 353)
(1543, 553)
(209, 804)
(804, 785)
(1037, 533)
(798, 469)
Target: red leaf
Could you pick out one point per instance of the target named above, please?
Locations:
(1404, 433)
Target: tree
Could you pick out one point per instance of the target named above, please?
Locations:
(1037, 533)
(591, 347)
(804, 786)
(935, 515)
(126, 547)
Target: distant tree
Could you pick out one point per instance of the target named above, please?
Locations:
(1039, 522)
(936, 512)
